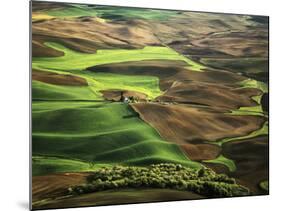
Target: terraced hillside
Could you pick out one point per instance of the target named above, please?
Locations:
(182, 96)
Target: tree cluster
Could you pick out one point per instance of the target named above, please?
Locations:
(172, 176)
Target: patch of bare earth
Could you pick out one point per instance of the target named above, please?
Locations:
(215, 88)
(50, 192)
(55, 185)
(197, 104)
(58, 79)
(89, 35)
(191, 124)
(122, 196)
(251, 157)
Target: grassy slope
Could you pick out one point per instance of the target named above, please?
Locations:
(115, 12)
(73, 60)
(251, 83)
(57, 105)
(225, 161)
(45, 91)
(96, 132)
(252, 110)
(148, 85)
(45, 165)
(109, 134)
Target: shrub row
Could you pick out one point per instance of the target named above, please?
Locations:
(173, 176)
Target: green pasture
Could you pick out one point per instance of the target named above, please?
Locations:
(103, 134)
(230, 164)
(73, 60)
(58, 105)
(251, 83)
(72, 12)
(111, 13)
(97, 82)
(72, 122)
(252, 110)
(75, 63)
(148, 85)
(45, 91)
(45, 165)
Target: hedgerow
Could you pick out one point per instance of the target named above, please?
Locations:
(172, 176)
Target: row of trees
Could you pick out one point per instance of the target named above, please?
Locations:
(173, 176)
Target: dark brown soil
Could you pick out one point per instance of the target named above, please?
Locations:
(89, 36)
(201, 100)
(199, 152)
(214, 88)
(122, 196)
(55, 185)
(58, 79)
(252, 161)
(49, 192)
(190, 124)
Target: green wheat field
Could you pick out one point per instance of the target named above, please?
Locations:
(137, 105)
